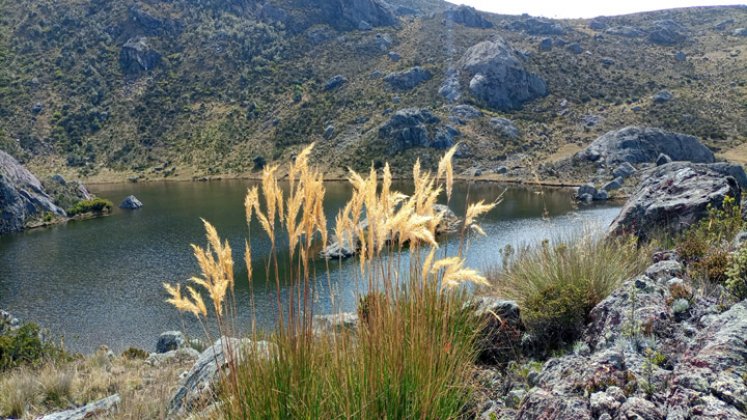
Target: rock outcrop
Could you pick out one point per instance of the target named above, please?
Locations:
(408, 79)
(170, 340)
(22, 196)
(644, 145)
(130, 203)
(137, 56)
(98, 409)
(537, 26)
(497, 77)
(416, 127)
(355, 14)
(674, 196)
(467, 16)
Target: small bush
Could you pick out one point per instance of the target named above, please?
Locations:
(96, 205)
(25, 347)
(736, 275)
(134, 353)
(718, 228)
(713, 265)
(558, 283)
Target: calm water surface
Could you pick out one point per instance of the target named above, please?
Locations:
(100, 281)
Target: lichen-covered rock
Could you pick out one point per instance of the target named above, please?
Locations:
(408, 79)
(22, 196)
(672, 197)
(198, 387)
(497, 78)
(467, 16)
(643, 145)
(98, 409)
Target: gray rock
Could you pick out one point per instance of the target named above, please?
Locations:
(335, 323)
(450, 88)
(199, 383)
(355, 14)
(498, 78)
(329, 132)
(8, 322)
(607, 401)
(514, 397)
(665, 270)
(591, 120)
(505, 128)
(626, 31)
(624, 171)
(408, 128)
(601, 195)
(667, 32)
(663, 159)
(131, 203)
(662, 96)
(733, 170)
(408, 79)
(545, 44)
(180, 355)
(608, 61)
(467, 16)
(538, 26)
(740, 32)
(585, 198)
(500, 328)
(466, 112)
(501, 170)
(672, 197)
(394, 56)
(643, 145)
(575, 48)
(22, 196)
(98, 409)
(680, 56)
(615, 184)
(37, 108)
(445, 137)
(598, 24)
(137, 56)
(586, 189)
(335, 82)
(170, 340)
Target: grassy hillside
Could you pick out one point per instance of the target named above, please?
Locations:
(238, 80)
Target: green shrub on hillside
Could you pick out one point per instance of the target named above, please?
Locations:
(96, 205)
(559, 282)
(736, 275)
(716, 230)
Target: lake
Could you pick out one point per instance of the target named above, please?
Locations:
(100, 281)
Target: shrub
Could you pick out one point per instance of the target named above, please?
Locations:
(95, 205)
(135, 353)
(718, 228)
(736, 275)
(559, 282)
(25, 346)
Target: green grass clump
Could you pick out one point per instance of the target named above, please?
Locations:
(736, 274)
(95, 205)
(558, 283)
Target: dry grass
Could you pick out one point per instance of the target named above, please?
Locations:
(412, 354)
(145, 390)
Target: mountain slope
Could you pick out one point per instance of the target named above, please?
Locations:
(156, 88)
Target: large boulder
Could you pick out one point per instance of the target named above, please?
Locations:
(537, 26)
(408, 128)
(130, 203)
(22, 197)
(170, 340)
(501, 329)
(137, 56)
(643, 145)
(672, 197)
(497, 78)
(467, 16)
(408, 79)
(199, 385)
(354, 14)
(667, 32)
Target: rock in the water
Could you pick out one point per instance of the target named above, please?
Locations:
(200, 382)
(97, 409)
(22, 197)
(643, 145)
(130, 203)
(663, 159)
(137, 56)
(672, 197)
(335, 82)
(498, 78)
(408, 79)
(586, 189)
(467, 16)
(505, 128)
(662, 96)
(335, 323)
(170, 340)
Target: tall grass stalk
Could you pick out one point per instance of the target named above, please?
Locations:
(411, 354)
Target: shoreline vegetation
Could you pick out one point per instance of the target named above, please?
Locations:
(431, 337)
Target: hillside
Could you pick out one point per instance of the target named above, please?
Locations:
(200, 88)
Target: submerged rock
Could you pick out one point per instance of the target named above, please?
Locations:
(131, 203)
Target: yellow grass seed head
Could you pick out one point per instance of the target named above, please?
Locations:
(446, 169)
